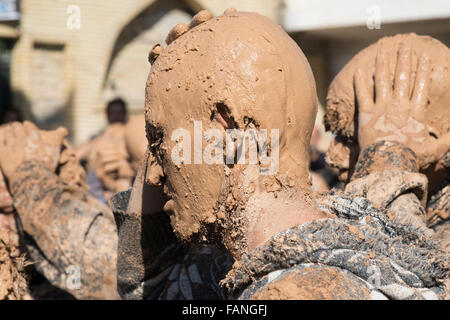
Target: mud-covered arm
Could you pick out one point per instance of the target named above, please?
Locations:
(72, 238)
(147, 246)
(146, 252)
(153, 264)
(387, 173)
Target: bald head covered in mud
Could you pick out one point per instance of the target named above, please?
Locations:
(237, 71)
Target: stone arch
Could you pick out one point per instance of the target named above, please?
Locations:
(128, 67)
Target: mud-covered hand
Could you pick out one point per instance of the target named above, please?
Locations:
(396, 110)
(112, 164)
(25, 142)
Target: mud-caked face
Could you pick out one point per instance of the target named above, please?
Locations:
(231, 75)
(192, 185)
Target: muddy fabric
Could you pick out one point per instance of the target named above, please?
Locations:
(95, 186)
(387, 174)
(383, 156)
(438, 216)
(402, 190)
(154, 264)
(440, 201)
(13, 282)
(69, 235)
(193, 275)
(392, 260)
(311, 282)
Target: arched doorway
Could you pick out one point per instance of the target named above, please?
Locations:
(128, 67)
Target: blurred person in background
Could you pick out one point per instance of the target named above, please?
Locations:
(69, 236)
(116, 111)
(107, 161)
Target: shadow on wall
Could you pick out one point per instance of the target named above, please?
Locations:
(12, 101)
(61, 115)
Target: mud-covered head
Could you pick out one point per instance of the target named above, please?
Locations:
(342, 108)
(236, 71)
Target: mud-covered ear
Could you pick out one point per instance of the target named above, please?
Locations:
(154, 174)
